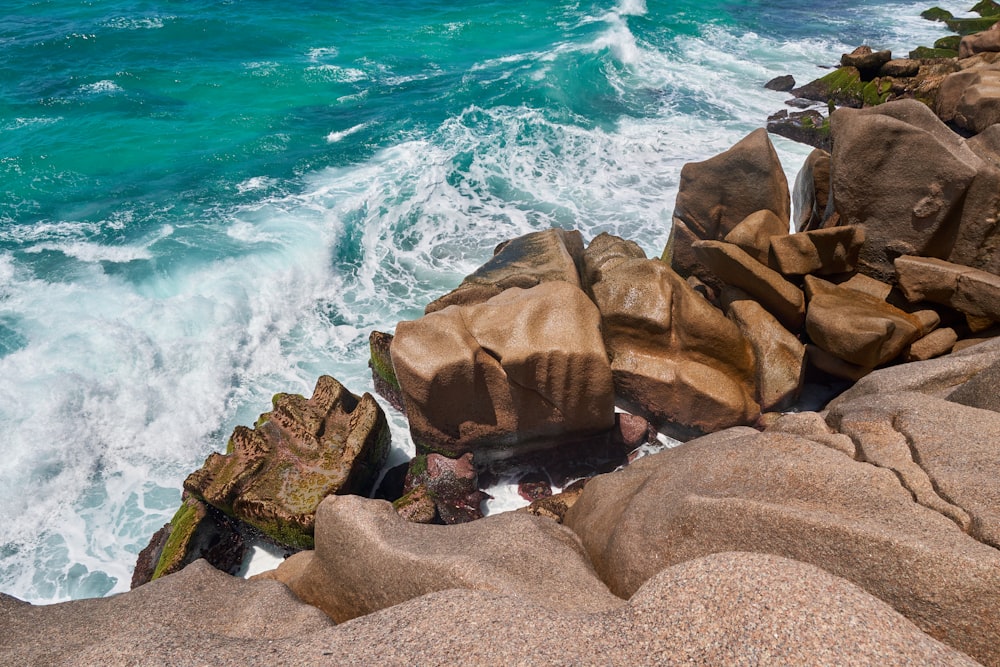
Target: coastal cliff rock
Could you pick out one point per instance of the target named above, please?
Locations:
(469, 385)
(274, 475)
(795, 497)
(717, 194)
(526, 261)
(971, 98)
(676, 359)
(368, 558)
(811, 192)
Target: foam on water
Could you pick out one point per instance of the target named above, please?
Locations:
(129, 353)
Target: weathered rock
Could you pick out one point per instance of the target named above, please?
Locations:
(971, 98)
(944, 453)
(867, 61)
(782, 83)
(856, 327)
(604, 253)
(529, 260)
(969, 26)
(753, 235)
(383, 377)
(677, 361)
(451, 484)
(833, 365)
(523, 371)
(846, 87)
(555, 506)
(811, 192)
(933, 344)
(936, 14)
(968, 290)
(812, 426)
(808, 127)
(735, 267)
(780, 356)
(818, 251)
(632, 431)
(196, 531)
(417, 506)
(274, 475)
(367, 558)
(859, 282)
(986, 8)
(980, 391)
(533, 487)
(715, 610)
(717, 194)
(943, 204)
(980, 42)
(900, 67)
(787, 495)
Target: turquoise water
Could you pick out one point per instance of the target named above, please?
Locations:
(205, 203)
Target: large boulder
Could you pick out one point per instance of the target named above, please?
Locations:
(811, 192)
(791, 496)
(529, 260)
(722, 609)
(676, 359)
(857, 327)
(981, 42)
(523, 371)
(970, 291)
(368, 558)
(818, 251)
(971, 98)
(916, 188)
(717, 194)
(274, 475)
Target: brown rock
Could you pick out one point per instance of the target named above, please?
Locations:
(981, 42)
(274, 475)
(720, 609)
(968, 290)
(859, 282)
(867, 61)
(934, 344)
(451, 484)
(753, 235)
(734, 267)
(971, 99)
(532, 259)
(942, 204)
(833, 365)
(780, 356)
(900, 67)
(523, 371)
(739, 490)
(819, 251)
(606, 252)
(980, 391)
(677, 361)
(555, 506)
(367, 558)
(856, 327)
(782, 84)
(719, 193)
(812, 426)
(811, 192)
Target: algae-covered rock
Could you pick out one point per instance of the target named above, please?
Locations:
(986, 8)
(845, 87)
(196, 531)
(936, 14)
(274, 475)
(450, 484)
(948, 42)
(928, 53)
(969, 26)
(383, 376)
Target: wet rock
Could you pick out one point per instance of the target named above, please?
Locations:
(469, 385)
(534, 486)
(527, 261)
(451, 484)
(555, 506)
(274, 475)
(782, 84)
(717, 194)
(383, 376)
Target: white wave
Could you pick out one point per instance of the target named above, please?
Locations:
(255, 183)
(336, 73)
(334, 137)
(94, 252)
(322, 52)
(100, 87)
(632, 8)
(140, 23)
(20, 123)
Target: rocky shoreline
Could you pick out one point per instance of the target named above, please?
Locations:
(865, 533)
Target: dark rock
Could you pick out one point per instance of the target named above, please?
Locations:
(936, 14)
(902, 67)
(534, 486)
(391, 486)
(555, 506)
(811, 192)
(928, 53)
(782, 84)
(451, 484)
(867, 62)
(986, 8)
(274, 476)
(970, 26)
(633, 431)
(808, 127)
(846, 87)
(383, 376)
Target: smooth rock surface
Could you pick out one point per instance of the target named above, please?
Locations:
(970, 291)
(818, 251)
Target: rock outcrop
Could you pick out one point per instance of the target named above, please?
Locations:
(526, 369)
(274, 475)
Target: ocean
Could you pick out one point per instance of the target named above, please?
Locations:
(208, 202)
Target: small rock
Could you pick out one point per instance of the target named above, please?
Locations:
(782, 84)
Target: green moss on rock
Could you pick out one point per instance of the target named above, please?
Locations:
(970, 26)
(182, 529)
(986, 8)
(936, 14)
(950, 42)
(927, 53)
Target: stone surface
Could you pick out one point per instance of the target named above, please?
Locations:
(818, 251)
(677, 361)
(811, 191)
(734, 267)
(980, 42)
(451, 484)
(717, 194)
(900, 67)
(383, 376)
(523, 371)
(788, 495)
(196, 531)
(274, 475)
(780, 356)
(867, 61)
(971, 99)
(555, 506)
(967, 290)
(856, 327)
(782, 83)
(934, 344)
(753, 235)
(529, 260)
(367, 558)
(915, 186)
(731, 608)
